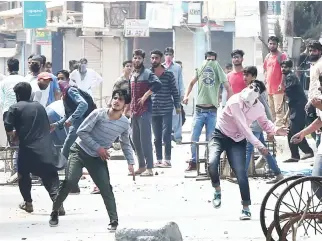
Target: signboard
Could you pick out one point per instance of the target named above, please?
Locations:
(136, 28)
(34, 14)
(194, 13)
(43, 38)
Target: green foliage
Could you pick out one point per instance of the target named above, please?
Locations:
(278, 32)
(308, 19)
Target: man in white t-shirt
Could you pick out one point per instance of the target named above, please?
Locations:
(38, 87)
(85, 78)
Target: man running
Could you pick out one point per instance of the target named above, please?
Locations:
(232, 130)
(91, 151)
(30, 122)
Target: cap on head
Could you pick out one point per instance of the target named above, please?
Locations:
(45, 76)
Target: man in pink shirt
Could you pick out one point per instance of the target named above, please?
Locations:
(236, 77)
(274, 80)
(231, 135)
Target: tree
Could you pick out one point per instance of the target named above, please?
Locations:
(308, 19)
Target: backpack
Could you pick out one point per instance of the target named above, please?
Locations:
(89, 100)
(279, 57)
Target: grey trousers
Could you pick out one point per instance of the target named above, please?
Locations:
(142, 139)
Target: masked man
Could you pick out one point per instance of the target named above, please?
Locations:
(230, 135)
(85, 78)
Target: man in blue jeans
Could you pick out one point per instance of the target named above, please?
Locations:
(250, 74)
(209, 77)
(230, 135)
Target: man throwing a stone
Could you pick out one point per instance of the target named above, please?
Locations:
(232, 130)
(95, 136)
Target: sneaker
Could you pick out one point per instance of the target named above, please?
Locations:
(147, 173)
(246, 215)
(192, 167)
(216, 201)
(96, 191)
(61, 211)
(113, 226)
(53, 222)
(26, 206)
(276, 179)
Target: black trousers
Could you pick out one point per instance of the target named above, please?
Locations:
(296, 125)
(31, 163)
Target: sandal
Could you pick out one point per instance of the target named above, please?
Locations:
(165, 165)
(147, 173)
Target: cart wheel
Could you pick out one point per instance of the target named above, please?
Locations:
(269, 201)
(292, 203)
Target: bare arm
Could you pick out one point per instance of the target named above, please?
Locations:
(316, 125)
(228, 89)
(189, 89)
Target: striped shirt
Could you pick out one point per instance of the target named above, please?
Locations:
(97, 130)
(7, 95)
(165, 99)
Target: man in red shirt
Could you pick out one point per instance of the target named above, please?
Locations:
(274, 80)
(236, 77)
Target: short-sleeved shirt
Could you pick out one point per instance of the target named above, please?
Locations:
(210, 76)
(273, 73)
(236, 81)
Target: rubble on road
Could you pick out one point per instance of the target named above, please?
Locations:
(169, 232)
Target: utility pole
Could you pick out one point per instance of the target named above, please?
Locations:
(136, 16)
(208, 34)
(288, 30)
(35, 49)
(263, 9)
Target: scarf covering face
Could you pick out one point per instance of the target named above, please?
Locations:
(63, 86)
(249, 96)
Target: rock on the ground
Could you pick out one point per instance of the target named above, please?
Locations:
(168, 232)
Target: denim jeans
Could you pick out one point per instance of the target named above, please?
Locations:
(162, 128)
(201, 118)
(141, 134)
(177, 127)
(271, 161)
(236, 154)
(317, 171)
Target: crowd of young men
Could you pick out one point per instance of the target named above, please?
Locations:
(152, 98)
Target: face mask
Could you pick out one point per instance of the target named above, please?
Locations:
(168, 58)
(249, 96)
(314, 58)
(35, 67)
(42, 86)
(83, 68)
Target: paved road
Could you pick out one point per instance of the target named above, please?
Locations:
(148, 201)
